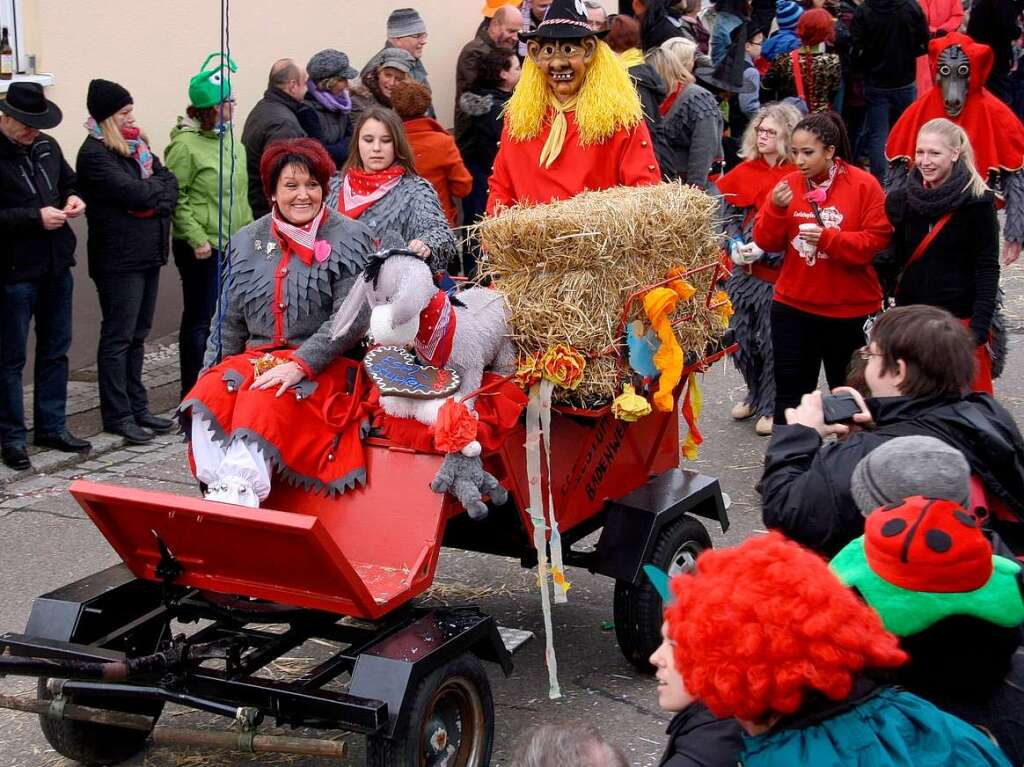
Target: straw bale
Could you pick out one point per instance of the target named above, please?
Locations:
(567, 269)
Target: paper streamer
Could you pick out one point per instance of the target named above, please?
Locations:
(693, 403)
(561, 584)
(534, 416)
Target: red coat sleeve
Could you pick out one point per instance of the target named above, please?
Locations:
(859, 247)
(771, 228)
(460, 182)
(500, 193)
(639, 165)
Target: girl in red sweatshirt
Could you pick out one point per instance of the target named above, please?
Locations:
(829, 218)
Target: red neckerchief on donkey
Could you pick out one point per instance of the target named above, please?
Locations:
(996, 134)
(437, 331)
(360, 189)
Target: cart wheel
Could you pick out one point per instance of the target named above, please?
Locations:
(97, 744)
(638, 608)
(450, 721)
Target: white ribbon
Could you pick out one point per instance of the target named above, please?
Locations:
(534, 418)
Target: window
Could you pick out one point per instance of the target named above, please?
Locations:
(11, 17)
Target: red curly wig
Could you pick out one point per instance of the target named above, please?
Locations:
(305, 152)
(759, 625)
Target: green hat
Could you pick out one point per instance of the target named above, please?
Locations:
(212, 86)
(925, 560)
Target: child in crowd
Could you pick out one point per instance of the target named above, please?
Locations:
(765, 633)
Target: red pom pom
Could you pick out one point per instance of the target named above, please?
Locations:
(455, 427)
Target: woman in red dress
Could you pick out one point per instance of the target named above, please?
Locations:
(744, 189)
(274, 396)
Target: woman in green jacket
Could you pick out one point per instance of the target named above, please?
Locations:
(194, 156)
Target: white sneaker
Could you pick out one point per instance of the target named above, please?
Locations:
(741, 411)
(234, 491)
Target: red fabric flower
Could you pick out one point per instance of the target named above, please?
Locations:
(454, 428)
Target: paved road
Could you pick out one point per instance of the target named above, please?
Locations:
(45, 542)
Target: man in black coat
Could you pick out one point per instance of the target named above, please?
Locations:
(37, 251)
(918, 363)
(280, 114)
(887, 36)
(994, 23)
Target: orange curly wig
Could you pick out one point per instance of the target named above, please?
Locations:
(759, 625)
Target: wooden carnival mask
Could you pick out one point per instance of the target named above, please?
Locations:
(563, 62)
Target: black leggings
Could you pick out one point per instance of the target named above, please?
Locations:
(802, 342)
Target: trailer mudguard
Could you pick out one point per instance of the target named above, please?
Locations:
(632, 522)
(390, 669)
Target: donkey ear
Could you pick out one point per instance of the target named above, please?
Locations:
(415, 289)
(347, 313)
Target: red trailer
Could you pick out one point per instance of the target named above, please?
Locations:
(347, 570)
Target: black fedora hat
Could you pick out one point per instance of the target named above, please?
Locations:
(26, 103)
(564, 20)
(728, 75)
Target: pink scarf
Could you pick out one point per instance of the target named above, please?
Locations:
(301, 240)
(361, 189)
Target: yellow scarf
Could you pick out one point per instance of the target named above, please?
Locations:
(559, 127)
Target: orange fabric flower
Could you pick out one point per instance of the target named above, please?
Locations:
(527, 373)
(454, 428)
(563, 366)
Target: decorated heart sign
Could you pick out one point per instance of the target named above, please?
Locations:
(396, 373)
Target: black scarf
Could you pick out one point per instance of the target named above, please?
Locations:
(939, 200)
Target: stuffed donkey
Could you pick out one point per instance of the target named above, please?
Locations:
(400, 290)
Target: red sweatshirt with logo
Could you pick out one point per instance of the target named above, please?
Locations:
(838, 280)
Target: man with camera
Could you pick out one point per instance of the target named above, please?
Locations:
(917, 366)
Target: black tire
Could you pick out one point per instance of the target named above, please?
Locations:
(637, 609)
(97, 744)
(456, 693)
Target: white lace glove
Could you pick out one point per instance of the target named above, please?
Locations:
(743, 255)
(736, 254)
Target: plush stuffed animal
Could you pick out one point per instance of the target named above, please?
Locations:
(466, 479)
(468, 333)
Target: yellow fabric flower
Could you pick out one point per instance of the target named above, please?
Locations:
(563, 366)
(630, 406)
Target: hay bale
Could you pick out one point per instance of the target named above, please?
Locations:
(567, 269)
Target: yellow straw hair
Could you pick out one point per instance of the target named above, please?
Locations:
(606, 102)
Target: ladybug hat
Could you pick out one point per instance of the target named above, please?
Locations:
(926, 559)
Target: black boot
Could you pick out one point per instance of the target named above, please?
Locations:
(154, 423)
(64, 441)
(15, 457)
(133, 433)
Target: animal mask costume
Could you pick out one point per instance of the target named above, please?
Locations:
(953, 77)
(996, 134)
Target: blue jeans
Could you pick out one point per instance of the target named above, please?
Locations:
(884, 107)
(49, 300)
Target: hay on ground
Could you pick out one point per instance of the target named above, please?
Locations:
(567, 269)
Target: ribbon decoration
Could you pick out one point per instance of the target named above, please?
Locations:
(561, 585)
(534, 421)
(693, 403)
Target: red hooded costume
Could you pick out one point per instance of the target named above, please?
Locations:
(996, 135)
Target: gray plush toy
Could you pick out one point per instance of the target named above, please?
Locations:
(466, 479)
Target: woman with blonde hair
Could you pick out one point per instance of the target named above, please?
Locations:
(692, 123)
(945, 250)
(130, 198)
(765, 153)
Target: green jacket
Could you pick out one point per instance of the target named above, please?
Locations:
(192, 156)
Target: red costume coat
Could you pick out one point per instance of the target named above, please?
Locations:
(625, 159)
(996, 134)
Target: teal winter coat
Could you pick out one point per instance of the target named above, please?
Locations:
(888, 728)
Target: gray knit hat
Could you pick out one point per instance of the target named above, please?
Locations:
(907, 466)
(330, 63)
(405, 22)
(396, 58)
